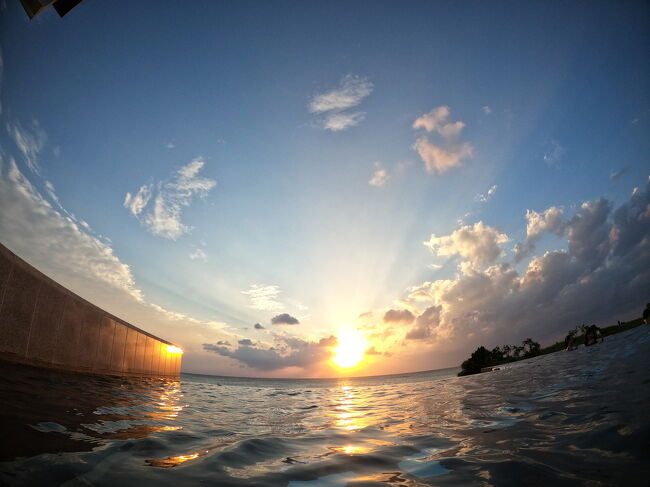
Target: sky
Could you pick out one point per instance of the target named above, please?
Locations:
(270, 184)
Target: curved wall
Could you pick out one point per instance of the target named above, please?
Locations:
(44, 324)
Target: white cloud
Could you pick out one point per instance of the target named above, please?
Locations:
(603, 275)
(264, 298)
(170, 145)
(483, 198)
(551, 221)
(436, 120)
(334, 105)
(65, 251)
(198, 254)
(163, 217)
(136, 203)
(478, 244)
(439, 159)
(350, 92)
(486, 109)
(342, 121)
(30, 141)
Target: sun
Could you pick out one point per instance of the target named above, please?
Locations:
(350, 349)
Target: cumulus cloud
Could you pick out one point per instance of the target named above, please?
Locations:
(602, 275)
(483, 198)
(479, 244)
(284, 319)
(160, 207)
(246, 342)
(258, 326)
(439, 159)
(425, 324)
(334, 106)
(436, 120)
(264, 297)
(550, 221)
(285, 352)
(398, 316)
(30, 141)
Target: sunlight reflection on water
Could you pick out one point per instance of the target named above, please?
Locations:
(535, 420)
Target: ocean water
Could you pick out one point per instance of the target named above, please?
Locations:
(570, 418)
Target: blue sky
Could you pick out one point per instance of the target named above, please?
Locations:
(221, 164)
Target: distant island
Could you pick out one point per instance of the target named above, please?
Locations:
(483, 359)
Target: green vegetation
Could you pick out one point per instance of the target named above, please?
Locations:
(483, 357)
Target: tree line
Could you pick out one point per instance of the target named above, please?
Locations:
(483, 357)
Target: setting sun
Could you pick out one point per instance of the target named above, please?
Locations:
(350, 349)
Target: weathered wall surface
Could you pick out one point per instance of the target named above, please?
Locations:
(44, 324)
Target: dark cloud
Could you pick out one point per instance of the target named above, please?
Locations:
(223, 343)
(288, 352)
(372, 351)
(284, 319)
(258, 326)
(398, 316)
(245, 342)
(425, 324)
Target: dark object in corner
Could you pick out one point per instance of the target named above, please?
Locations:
(62, 7)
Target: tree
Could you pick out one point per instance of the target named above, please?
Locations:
(530, 347)
(481, 357)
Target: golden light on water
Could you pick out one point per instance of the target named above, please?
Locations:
(349, 352)
(173, 349)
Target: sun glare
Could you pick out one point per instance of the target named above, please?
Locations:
(350, 349)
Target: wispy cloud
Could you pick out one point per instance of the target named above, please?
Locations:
(164, 202)
(555, 153)
(439, 159)
(264, 298)
(486, 109)
(483, 198)
(198, 254)
(30, 141)
(617, 174)
(380, 177)
(334, 106)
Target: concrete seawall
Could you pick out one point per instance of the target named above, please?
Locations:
(46, 325)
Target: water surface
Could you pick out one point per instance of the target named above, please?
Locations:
(577, 418)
